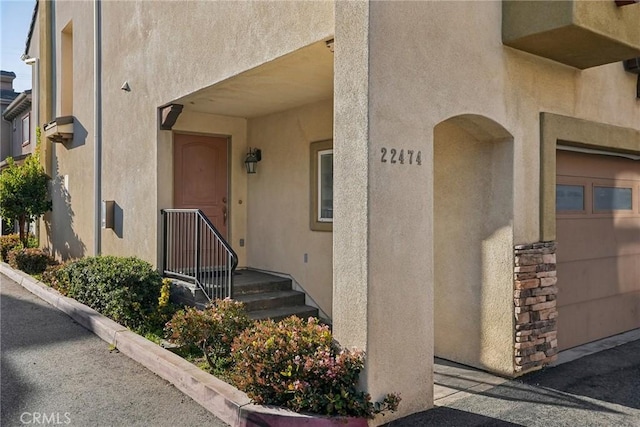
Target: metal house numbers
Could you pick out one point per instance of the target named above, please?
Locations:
(402, 156)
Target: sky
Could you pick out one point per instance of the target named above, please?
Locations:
(15, 19)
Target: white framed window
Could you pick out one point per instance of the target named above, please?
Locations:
(26, 130)
(325, 185)
(321, 209)
(609, 198)
(570, 198)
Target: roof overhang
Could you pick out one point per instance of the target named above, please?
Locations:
(301, 77)
(18, 106)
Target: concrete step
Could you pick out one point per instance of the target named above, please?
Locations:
(265, 300)
(265, 296)
(252, 282)
(185, 293)
(276, 314)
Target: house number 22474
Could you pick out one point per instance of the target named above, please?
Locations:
(401, 156)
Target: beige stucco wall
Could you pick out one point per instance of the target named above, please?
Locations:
(472, 216)
(278, 233)
(145, 44)
(605, 18)
(382, 298)
(579, 33)
(419, 76)
(70, 224)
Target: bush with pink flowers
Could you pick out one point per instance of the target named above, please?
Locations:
(296, 364)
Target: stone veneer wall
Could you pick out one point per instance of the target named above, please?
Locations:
(534, 298)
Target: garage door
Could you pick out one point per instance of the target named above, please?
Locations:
(598, 255)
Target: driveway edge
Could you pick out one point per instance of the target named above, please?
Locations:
(221, 399)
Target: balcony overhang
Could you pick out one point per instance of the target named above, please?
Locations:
(60, 129)
(298, 78)
(578, 33)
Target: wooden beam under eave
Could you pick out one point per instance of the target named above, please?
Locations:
(169, 115)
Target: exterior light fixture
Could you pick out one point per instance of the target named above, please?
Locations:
(253, 157)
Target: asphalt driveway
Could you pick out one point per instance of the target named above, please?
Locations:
(55, 372)
(602, 389)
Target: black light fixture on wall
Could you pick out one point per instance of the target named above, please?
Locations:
(253, 157)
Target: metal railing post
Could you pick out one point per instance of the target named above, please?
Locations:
(165, 236)
(197, 218)
(209, 261)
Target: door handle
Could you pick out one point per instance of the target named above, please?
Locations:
(224, 215)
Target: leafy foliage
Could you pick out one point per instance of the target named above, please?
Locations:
(8, 243)
(23, 192)
(211, 330)
(30, 260)
(124, 289)
(50, 277)
(296, 364)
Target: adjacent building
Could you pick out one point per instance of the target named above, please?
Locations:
(17, 139)
(458, 179)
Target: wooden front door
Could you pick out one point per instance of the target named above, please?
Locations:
(200, 176)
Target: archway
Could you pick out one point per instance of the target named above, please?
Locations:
(473, 243)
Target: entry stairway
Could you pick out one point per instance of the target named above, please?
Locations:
(266, 296)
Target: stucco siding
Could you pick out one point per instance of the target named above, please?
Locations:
(155, 47)
(70, 224)
(278, 235)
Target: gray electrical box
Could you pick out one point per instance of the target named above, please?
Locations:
(108, 208)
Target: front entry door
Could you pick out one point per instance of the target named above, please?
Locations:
(200, 176)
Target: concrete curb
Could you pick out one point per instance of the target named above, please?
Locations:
(221, 399)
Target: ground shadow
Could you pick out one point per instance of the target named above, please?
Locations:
(25, 326)
(612, 376)
(444, 416)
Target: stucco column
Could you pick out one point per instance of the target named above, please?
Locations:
(382, 228)
(46, 88)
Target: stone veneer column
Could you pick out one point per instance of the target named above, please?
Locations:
(534, 298)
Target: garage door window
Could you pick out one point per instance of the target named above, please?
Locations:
(612, 199)
(569, 198)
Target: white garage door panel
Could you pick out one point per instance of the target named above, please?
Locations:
(598, 258)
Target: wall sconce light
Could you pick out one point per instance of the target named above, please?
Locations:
(253, 157)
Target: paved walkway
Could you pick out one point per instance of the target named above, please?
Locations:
(55, 372)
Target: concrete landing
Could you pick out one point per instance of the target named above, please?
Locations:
(452, 381)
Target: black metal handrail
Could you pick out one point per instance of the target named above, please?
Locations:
(194, 250)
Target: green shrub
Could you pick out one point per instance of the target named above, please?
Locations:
(124, 289)
(31, 260)
(211, 330)
(296, 364)
(8, 243)
(50, 277)
(164, 311)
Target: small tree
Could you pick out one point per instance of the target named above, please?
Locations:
(23, 191)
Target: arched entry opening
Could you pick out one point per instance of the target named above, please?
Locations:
(473, 243)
